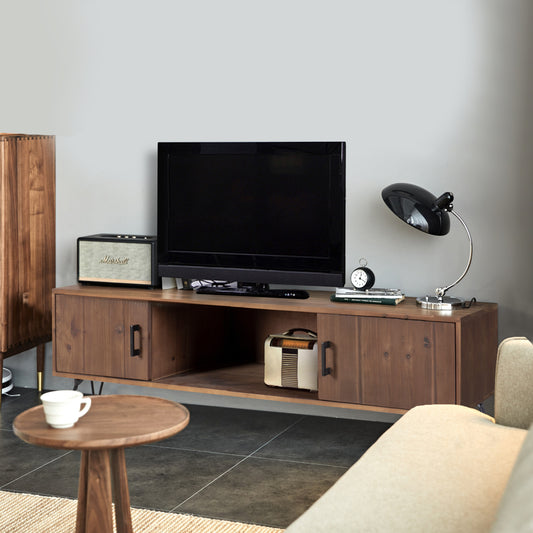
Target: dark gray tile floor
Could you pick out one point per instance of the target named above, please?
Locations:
(249, 466)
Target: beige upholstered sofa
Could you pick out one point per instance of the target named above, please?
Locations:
(444, 468)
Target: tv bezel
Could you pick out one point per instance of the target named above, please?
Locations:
(335, 275)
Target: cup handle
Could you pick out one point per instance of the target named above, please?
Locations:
(87, 401)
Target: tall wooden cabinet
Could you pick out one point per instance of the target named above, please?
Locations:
(27, 244)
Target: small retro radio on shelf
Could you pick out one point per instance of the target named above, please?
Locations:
(108, 258)
(291, 360)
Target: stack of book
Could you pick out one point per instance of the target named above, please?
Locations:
(370, 296)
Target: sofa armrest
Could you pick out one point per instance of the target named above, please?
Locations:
(515, 513)
(440, 468)
(513, 390)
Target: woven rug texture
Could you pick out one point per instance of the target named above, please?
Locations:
(29, 513)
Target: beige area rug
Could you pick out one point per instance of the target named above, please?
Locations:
(28, 513)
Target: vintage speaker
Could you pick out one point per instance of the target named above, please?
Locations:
(292, 360)
(107, 258)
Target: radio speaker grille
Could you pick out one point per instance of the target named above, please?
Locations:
(289, 368)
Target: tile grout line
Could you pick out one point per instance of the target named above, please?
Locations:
(194, 450)
(174, 509)
(226, 454)
(294, 461)
(35, 469)
(276, 436)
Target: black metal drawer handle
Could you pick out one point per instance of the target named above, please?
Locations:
(135, 352)
(325, 369)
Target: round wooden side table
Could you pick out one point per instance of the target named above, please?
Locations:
(113, 423)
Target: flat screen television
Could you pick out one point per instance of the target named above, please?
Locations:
(255, 213)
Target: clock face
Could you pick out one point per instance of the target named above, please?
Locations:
(359, 278)
(362, 278)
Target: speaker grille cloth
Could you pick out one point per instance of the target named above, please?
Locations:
(289, 368)
(99, 261)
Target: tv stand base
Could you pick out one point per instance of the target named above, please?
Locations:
(254, 289)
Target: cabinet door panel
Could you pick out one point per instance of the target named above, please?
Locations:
(92, 337)
(406, 363)
(342, 383)
(387, 362)
(104, 337)
(68, 335)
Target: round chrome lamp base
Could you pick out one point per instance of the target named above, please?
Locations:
(446, 303)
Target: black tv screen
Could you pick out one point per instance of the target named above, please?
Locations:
(264, 212)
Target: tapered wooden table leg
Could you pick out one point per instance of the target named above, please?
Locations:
(82, 492)
(121, 495)
(95, 515)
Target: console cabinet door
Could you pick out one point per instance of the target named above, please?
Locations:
(387, 362)
(339, 376)
(404, 363)
(68, 334)
(102, 337)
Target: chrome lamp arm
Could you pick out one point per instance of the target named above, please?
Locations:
(441, 291)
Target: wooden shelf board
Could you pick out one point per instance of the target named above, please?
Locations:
(244, 381)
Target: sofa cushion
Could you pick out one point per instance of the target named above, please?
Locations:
(440, 468)
(515, 514)
(513, 393)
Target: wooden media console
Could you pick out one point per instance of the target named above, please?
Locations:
(380, 357)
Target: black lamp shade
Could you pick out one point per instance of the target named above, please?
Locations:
(418, 207)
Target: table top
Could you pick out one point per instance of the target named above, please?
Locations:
(113, 421)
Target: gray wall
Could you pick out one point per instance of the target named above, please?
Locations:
(435, 92)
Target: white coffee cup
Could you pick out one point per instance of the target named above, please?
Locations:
(62, 407)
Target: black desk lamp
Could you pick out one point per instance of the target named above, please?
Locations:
(420, 209)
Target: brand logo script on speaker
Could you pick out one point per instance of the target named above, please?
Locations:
(108, 260)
